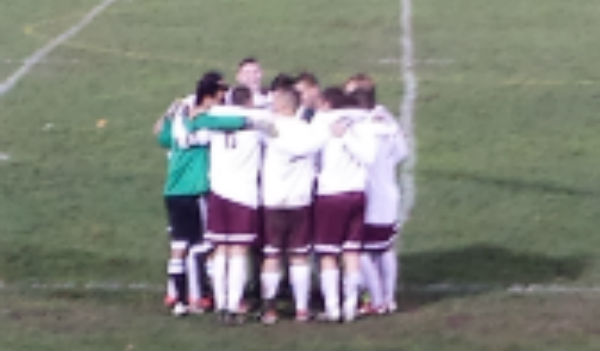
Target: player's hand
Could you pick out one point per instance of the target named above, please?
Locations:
(339, 128)
(264, 126)
(173, 108)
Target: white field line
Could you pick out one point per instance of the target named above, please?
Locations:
(41, 53)
(407, 110)
(514, 289)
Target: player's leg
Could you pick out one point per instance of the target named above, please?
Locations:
(274, 222)
(181, 211)
(389, 269)
(351, 255)
(369, 268)
(237, 276)
(299, 269)
(328, 237)
(216, 227)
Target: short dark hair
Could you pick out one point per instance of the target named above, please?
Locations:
(282, 81)
(335, 97)
(241, 95)
(206, 88)
(291, 95)
(213, 75)
(247, 60)
(364, 97)
(307, 77)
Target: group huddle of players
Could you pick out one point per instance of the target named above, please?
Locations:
(293, 181)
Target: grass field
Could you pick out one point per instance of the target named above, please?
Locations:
(507, 171)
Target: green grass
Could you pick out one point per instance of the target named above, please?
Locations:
(507, 172)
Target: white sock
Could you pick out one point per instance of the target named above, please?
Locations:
(194, 267)
(236, 281)
(371, 278)
(330, 290)
(351, 281)
(389, 269)
(220, 281)
(300, 280)
(270, 283)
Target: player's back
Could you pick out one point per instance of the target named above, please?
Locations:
(289, 164)
(382, 185)
(344, 161)
(235, 160)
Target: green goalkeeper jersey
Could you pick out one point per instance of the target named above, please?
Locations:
(187, 170)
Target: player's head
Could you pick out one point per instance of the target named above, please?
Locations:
(249, 73)
(208, 92)
(359, 80)
(241, 96)
(217, 76)
(332, 98)
(308, 86)
(286, 101)
(363, 98)
(282, 81)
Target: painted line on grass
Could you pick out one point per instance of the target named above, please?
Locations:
(41, 53)
(407, 109)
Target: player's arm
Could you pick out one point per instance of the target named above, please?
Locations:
(303, 141)
(163, 137)
(359, 140)
(400, 146)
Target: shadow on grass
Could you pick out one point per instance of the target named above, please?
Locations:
(430, 276)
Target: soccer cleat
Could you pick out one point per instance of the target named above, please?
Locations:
(269, 317)
(195, 307)
(365, 309)
(302, 316)
(179, 310)
(169, 301)
(329, 317)
(391, 307)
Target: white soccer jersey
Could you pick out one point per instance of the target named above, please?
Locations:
(289, 164)
(344, 161)
(235, 159)
(382, 187)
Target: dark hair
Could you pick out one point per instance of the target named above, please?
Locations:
(291, 95)
(364, 97)
(282, 81)
(247, 60)
(206, 88)
(240, 95)
(213, 75)
(335, 97)
(308, 78)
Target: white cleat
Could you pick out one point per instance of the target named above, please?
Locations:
(330, 317)
(391, 307)
(179, 310)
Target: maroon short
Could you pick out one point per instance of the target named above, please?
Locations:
(287, 230)
(378, 237)
(339, 222)
(230, 222)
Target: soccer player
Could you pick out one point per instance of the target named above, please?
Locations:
(308, 86)
(340, 202)
(232, 205)
(187, 179)
(288, 175)
(249, 73)
(196, 253)
(379, 259)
